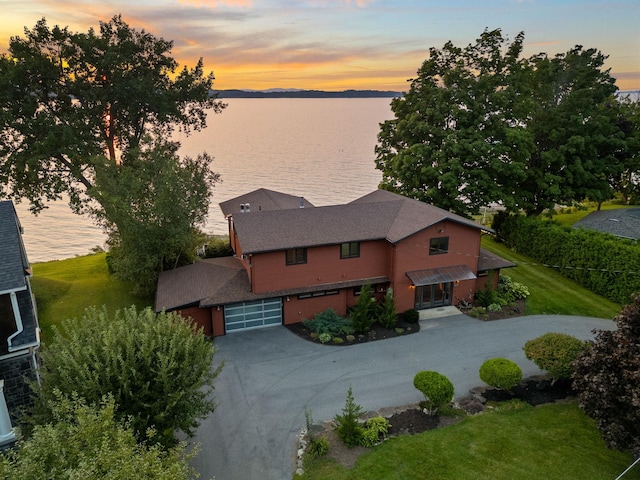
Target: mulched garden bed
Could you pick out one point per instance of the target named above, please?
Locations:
(377, 332)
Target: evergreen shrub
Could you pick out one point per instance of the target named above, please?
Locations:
(555, 353)
(501, 373)
(329, 322)
(435, 387)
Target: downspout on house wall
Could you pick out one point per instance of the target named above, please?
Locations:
(7, 435)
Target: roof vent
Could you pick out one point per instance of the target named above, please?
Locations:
(301, 202)
(247, 207)
(242, 208)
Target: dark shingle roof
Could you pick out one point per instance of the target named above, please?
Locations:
(13, 261)
(219, 281)
(621, 222)
(489, 261)
(379, 215)
(263, 200)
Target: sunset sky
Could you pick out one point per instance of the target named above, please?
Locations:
(343, 44)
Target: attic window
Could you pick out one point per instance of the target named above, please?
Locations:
(296, 256)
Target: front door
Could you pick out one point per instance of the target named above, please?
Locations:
(436, 295)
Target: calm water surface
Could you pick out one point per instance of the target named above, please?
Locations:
(322, 149)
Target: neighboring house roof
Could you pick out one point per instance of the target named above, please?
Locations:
(219, 281)
(621, 222)
(377, 216)
(14, 269)
(263, 200)
(489, 261)
(13, 258)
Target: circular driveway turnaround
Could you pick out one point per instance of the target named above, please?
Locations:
(270, 375)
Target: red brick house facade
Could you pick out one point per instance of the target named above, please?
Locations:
(293, 260)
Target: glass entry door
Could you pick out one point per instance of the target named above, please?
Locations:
(436, 295)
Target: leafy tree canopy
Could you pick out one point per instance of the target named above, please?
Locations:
(87, 441)
(151, 207)
(607, 378)
(480, 124)
(156, 366)
(68, 99)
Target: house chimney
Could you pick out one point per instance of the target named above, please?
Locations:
(301, 202)
(247, 207)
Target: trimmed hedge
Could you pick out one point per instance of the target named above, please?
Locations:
(435, 387)
(600, 262)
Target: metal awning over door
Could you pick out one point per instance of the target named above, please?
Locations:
(440, 275)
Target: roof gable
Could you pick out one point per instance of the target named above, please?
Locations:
(13, 259)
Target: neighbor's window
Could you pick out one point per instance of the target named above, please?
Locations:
(438, 245)
(296, 256)
(350, 250)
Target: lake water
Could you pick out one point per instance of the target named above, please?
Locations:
(322, 149)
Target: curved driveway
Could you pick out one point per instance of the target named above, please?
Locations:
(270, 375)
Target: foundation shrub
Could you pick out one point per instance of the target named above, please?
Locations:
(328, 322)
(411, 316)
(555, 353)
(500, 373)
(387, 316)
(363, 313)
(318, 447)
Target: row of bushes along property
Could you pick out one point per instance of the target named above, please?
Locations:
(606, 265)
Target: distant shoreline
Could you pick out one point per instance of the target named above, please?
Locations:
(306, 94)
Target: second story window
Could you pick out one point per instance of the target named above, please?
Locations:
(438, 245)
(296, 256)
(350, 250)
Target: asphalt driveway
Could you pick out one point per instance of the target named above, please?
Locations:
(270, 375)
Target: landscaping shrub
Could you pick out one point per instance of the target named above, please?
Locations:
(363, 312)
(387, 316)
(348, 427)
(435, 387)
(554, 352)
(375, 430)
(501, 373)
(511, 291)
(318, 447)
(411, 316)
(328, 322)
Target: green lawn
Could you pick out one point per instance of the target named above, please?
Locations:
(556, 441)
(551, 292)
(65, 288)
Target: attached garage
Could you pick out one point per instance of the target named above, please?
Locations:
(250, 315)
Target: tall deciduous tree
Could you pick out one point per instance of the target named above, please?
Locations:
(480, 124)
(151, 207)
(157, 367)
(607, 378)
(87, 441)
(68, 99)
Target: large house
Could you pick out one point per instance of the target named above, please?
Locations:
(19, 330)
(293, 260)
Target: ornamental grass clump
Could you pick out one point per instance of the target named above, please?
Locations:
(500, 373)
(436, 388)
(555, 353)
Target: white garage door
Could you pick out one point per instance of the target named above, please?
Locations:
(248, 315)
